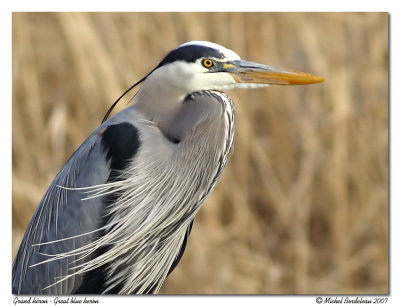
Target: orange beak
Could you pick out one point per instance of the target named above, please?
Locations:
(253, 73)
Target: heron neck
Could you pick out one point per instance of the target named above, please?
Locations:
(158, 101)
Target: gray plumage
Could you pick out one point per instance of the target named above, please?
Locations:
(117, 216)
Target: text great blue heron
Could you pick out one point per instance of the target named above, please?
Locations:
(117, 216)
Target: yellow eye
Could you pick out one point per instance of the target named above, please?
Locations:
(207, 63)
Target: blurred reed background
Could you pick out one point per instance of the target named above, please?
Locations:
(302, 207)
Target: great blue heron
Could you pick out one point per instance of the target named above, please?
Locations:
(117, 216)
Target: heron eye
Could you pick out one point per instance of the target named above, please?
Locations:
(207, 63)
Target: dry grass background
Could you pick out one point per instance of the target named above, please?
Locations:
(303, 204)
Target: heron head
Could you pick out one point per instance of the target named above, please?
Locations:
(202, 65)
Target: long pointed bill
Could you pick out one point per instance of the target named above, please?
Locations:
(253, 73)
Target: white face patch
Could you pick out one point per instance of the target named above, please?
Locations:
(229, 54)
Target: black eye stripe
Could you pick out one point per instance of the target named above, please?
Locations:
(190, 54)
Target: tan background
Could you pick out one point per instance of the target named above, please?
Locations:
(303, 204)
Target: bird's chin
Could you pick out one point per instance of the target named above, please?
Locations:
(237, 85)
(249, 85)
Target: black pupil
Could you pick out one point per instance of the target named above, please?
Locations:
(207, 63)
